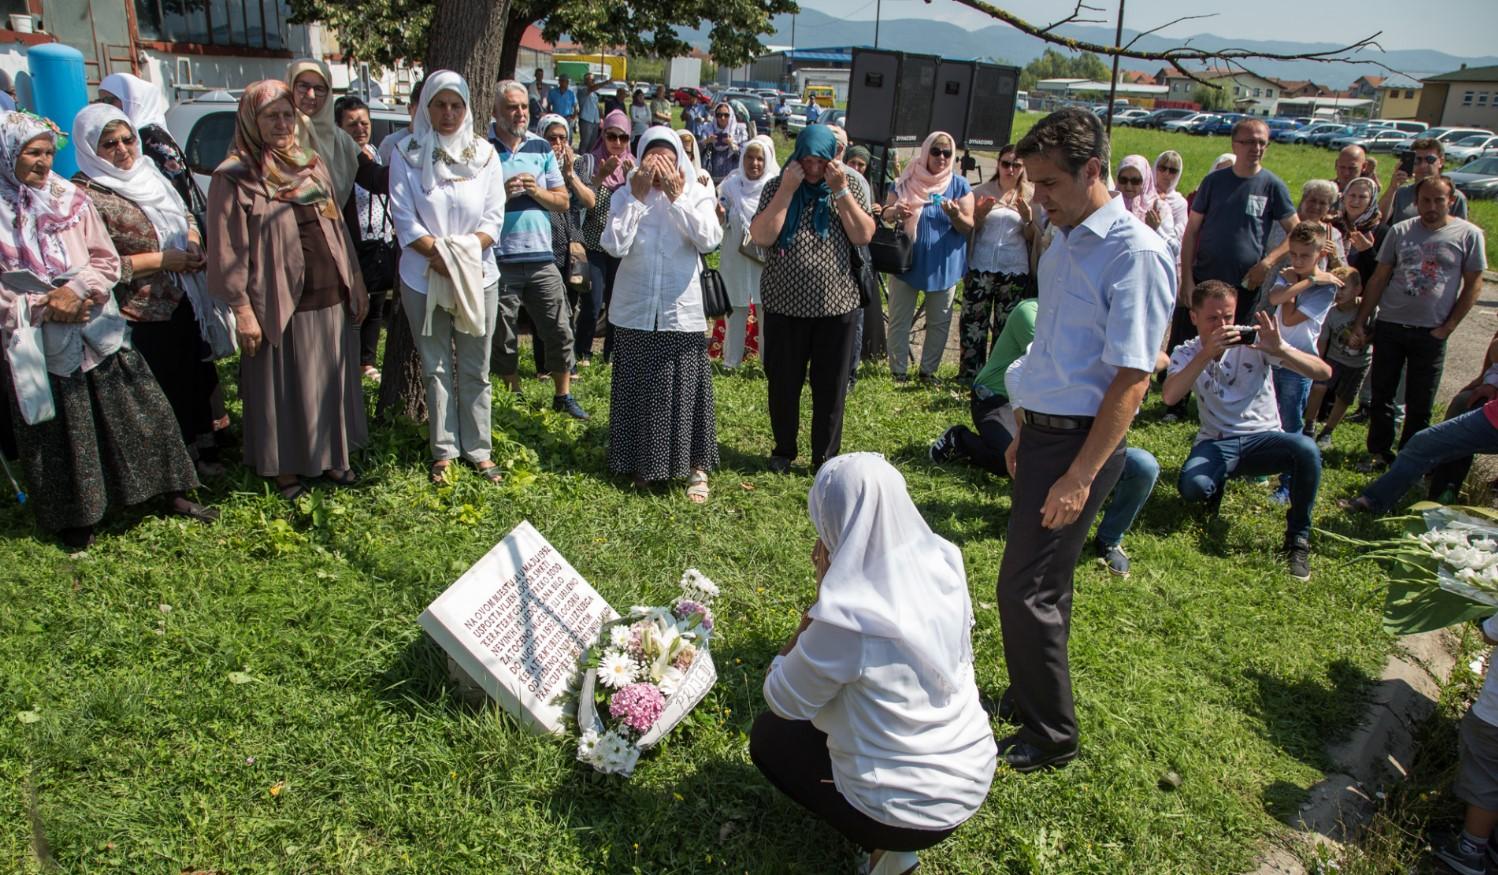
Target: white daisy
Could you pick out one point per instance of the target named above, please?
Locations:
(617, 670)
(619, 637)
(696, 585)
(586, 743)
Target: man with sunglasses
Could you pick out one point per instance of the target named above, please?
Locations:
(1398, 203)
(1227, 234)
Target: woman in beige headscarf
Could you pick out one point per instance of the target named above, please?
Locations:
(311, 93)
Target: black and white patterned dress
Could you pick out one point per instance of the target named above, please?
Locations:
(661, 419)
(814, 276)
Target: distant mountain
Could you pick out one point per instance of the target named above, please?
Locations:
(814, 29)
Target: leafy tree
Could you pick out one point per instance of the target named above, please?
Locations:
(1211, 99)
(1053, 64)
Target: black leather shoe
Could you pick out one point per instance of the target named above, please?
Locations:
(1006, 711)
(1024, 757)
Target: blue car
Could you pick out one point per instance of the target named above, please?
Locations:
(1222, 124)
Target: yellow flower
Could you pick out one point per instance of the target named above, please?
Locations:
(276, 788)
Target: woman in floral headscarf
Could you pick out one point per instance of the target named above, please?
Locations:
(1362, 225)
(93, 428)
(281, 257)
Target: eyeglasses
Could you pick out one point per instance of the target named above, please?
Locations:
(318, 90)
(1262, 144)
(557, 138)
(721, 115)
(1428, 159)
(617, 138)
(940, 153)
(1012, 165)
(127, 141)
(1130, 181)
(1167, 169)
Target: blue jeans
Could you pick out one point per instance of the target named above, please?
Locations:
(1212, 462)
(1453, 439)
(1293, 391)
(1140, 471)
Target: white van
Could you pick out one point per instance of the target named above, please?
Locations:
(1409, 127)
(1022, 101)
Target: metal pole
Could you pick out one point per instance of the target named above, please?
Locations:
(878, 5)
(793, 32)
(1113, 86)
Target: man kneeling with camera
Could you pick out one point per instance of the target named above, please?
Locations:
(1230, 369)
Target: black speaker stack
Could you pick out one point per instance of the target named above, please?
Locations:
(897, 98)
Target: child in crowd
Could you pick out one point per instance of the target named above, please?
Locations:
(1349, 363)
(1477, 777)
(1303, 294)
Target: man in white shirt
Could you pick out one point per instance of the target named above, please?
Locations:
(1107, 284)
(1240, 420)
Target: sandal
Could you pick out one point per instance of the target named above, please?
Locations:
(697, 491)
(437, 472)
(345, 478)
(491, 473)
(291, 491)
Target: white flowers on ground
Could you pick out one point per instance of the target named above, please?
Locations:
(671, 680)
(696, 586)
(617, 671)
(619, 637)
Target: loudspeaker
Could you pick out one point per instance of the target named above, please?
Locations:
(990, 116)
(889, 96)
(951, 98)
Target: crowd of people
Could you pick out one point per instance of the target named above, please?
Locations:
(1081, 281)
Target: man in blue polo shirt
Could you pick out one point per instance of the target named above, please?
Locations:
(528, 273)
(562, 100)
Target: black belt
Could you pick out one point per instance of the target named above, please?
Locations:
(1060, 423)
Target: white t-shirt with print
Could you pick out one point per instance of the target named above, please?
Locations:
(1234, 394)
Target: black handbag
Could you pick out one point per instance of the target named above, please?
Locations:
(892, 249)
(863, 274)
(715, 303)
(379, 259)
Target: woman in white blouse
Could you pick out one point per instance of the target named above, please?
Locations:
(447, 197)
(998, 266)
(739, 199)
(661, 419)
(874, 722)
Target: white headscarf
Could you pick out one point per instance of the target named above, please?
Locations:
(661, 133)
(550, 119)
(890, 576)
(741, 191)
(460, 155)
(144, 104)
(142, 184)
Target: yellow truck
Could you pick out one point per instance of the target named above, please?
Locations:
(821, 95)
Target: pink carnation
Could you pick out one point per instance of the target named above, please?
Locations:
(638, 705)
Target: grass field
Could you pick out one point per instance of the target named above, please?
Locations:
(257, 697)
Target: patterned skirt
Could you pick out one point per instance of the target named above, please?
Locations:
(661, 418)
(114, 442)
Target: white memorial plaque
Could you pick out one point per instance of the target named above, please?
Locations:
(518, 623)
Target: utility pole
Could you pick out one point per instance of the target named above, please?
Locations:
(1113, 86)
(878, 5)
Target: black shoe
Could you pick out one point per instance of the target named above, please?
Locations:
(1006, 711)
(1024, 757)
(944, 447)
(779, 464)
(568, 405)
(77, 538)
(1298, 554)
(1362, 414)
(1113, 558)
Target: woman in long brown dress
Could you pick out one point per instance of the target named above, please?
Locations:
(93, 428)
(281, 257)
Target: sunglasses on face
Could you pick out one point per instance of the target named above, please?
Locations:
(1012, 165)
(617, 138)
(721, 115)
(1167, 170)
(1130, 181)
(557, 138)
(127, 141)
(1428, 159)
(940, 153)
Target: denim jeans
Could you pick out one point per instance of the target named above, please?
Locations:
(1397, 347)
(1212, 462)
(1451, 440)
(1292, 391)
(1140, 471)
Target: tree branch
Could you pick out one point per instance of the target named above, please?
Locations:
(1141, 35)
(1075, 17)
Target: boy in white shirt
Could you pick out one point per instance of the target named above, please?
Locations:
(1240, 425)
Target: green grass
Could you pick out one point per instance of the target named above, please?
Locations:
(257, 696)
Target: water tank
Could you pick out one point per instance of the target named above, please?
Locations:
(59, 92)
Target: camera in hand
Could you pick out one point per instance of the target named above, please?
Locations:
(1247, 334)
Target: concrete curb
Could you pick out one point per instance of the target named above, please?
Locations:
(1376, 755)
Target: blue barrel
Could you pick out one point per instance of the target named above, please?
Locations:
(59, 92)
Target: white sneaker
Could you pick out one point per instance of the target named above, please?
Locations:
(896, 863)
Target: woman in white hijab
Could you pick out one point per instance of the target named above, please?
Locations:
(738, 200)
(144, 104)
(661, 419)
(447, 197)
(311, 90)
(874, 723)
(161, 292)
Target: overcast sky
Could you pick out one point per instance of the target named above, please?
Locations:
(1459, 27)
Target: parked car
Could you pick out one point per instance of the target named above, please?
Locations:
(1182, 123)
(687, 95)
(1445, 136)
(1159, 117)
(1303, 135)
(1380, 141)
(788, 109)
(204, 126)
(1130, 117)
(1471, 148)
(1325, 136)
(1409, 127)
(1477, 180)
(1222, 124)
(1276, 125)
(797, 122)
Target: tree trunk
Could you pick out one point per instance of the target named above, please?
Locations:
(467, 37)
(509, 56)
(401, 389)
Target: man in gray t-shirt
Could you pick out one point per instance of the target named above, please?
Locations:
(1428, 276)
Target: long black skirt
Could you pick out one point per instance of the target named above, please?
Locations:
(661, 418)
(113, 443)
(174, 350)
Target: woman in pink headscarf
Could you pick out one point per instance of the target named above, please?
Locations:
(935, 206)
(1135, 183)
(612, 161)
